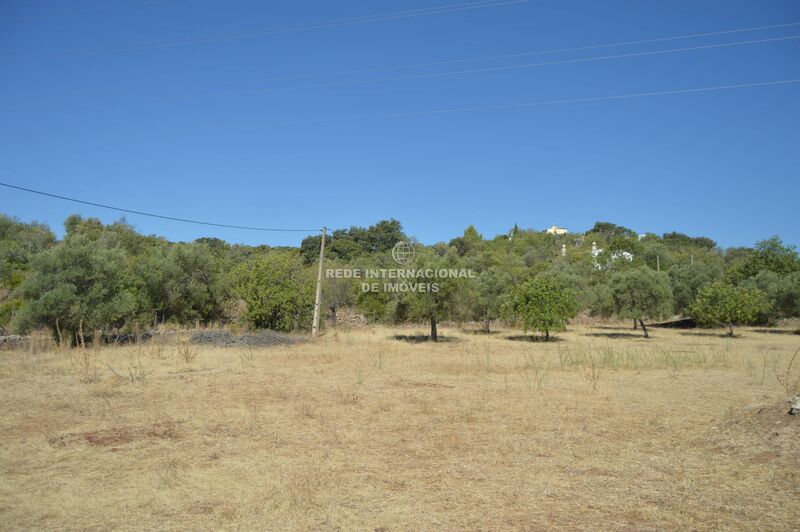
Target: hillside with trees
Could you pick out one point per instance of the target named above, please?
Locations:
(111, 278)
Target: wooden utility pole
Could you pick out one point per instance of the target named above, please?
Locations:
(318, 300)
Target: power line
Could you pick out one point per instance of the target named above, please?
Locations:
(141, 213)
(510, 67)
(560, 102)
(395, 15)
(107, 7)
(532, 53)
(381, 17)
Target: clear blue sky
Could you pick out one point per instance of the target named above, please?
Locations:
(201, 109)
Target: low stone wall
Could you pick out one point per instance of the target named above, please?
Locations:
(13, 341)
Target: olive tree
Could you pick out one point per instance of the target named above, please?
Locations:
(76, 287)
(719, 302)
(487, 295)
(541, 304)
(443, 297)
(278, 291)
(686, 280)
(782, 291)
(641, 294)
(19, 242)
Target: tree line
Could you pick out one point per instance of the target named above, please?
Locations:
(111, 278)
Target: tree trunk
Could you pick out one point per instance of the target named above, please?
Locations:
(635, 325)
(333, 316)
(487, 322)
(434, 334)
(80, 334)
(730, 330)
(546, 334)
(644, 329)
(60, 338)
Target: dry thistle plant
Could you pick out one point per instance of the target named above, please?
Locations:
(591, 371)
(360, 376)
(39, 341)
(134, 372)
(83, 360)
(252, 417)
(533, 374)
(155, 349)
(789, 378)
(186, 353)
(758, 372)
(247, 355)
(379, 361)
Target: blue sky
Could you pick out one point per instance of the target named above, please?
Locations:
(277, 114)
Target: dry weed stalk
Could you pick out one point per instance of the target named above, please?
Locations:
(252, 417)
(134, 372)
(156, 350)
(591, 370)
(533, 374)
(247, 355)
(186, 353)
(787, 379)
(83, 361)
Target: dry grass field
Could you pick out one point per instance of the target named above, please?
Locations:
(599, 430)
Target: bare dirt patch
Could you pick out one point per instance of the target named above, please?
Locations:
(766, 419)
(121, 435)
(412, 384)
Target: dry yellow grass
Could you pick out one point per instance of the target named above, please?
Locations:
(362, 431)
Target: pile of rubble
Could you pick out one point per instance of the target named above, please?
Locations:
(12, 341)
(349, 318)
(224, 338)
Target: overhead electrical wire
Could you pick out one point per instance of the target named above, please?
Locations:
(521, 66)
(530, 53)
(366, 19)
(541, 103)
(151, 215)
(395, 15)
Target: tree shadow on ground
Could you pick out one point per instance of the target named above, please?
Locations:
(422, 338)
(710, 334)
(479, 331)
(533, 338)
(615, 335)
(777, 331)
(615, 328)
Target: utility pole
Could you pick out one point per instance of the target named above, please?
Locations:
(658, 263)
(318, 300)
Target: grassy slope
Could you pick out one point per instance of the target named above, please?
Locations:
(363, 431)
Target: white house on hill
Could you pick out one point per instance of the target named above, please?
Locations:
(614, 256)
